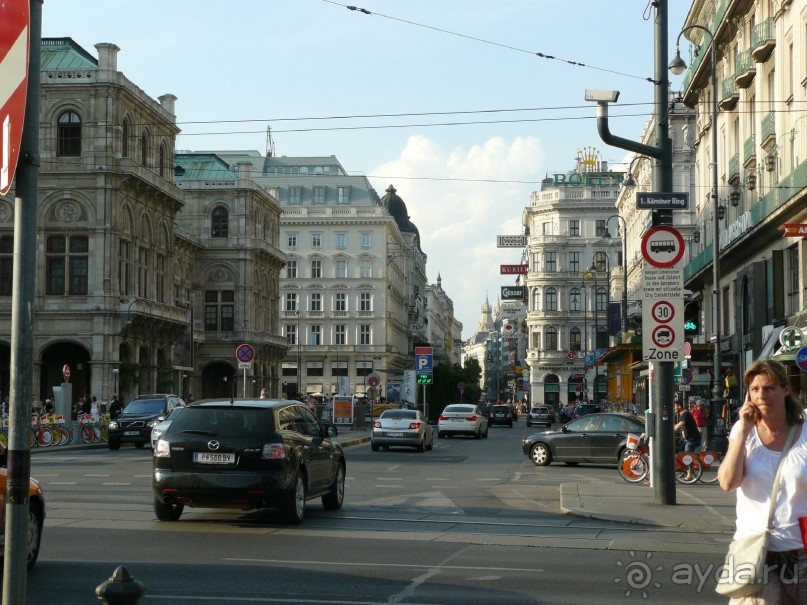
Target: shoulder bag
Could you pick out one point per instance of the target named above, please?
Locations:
(743, 572)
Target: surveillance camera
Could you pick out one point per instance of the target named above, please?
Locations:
(602, 96)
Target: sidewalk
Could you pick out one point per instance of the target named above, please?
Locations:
(698, 507)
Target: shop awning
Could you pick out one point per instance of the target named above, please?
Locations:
(313, 388)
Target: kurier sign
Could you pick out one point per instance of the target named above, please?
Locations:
(512, 292)
(514, 269)
(511, 241)
(14, 46)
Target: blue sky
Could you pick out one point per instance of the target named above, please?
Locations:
(238, 67)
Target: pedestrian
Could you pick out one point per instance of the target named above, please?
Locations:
(264, 393)
(48, 406)
(114, 408)
(689, 430)
(86, 405)
(701, 416)
(767, 419)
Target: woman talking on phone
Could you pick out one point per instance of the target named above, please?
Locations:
(764, 423)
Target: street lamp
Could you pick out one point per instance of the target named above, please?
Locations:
(299, 351)
(115, 372)
(592, 274)
(624, 269)
(717, 434)
(151, 386)
(583, 387)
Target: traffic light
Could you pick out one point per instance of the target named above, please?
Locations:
(424, 378)
(692, 319)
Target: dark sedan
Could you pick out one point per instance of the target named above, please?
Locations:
(597, 438)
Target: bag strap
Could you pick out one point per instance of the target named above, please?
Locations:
(775, 491)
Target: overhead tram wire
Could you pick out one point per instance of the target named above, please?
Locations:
(499, 44)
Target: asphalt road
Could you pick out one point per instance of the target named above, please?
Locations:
(472, 521)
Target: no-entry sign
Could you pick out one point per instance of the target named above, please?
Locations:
(14, 48)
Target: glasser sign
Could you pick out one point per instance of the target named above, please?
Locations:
(512, 292)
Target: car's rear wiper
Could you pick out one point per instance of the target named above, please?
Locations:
(200, 432)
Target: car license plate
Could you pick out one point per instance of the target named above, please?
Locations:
(456, 420)
(211, 458)
(131, 433)
(394, 434)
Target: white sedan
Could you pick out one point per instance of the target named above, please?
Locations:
(402, 427)
(462, 419)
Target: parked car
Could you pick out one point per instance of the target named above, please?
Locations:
(160, 428)
(501, 414)
(599, 438)
(402, 427)
(540, 414)
(36, 516)
(134, 423)
(462, 419)
(247, 454)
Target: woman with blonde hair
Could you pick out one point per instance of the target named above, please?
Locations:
(768, 415)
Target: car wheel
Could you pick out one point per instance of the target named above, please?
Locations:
(510, 425)
(431, 443)
(139, 445)
(34, 534)
(334, 498)
(529, 423)
(374, 446)
(166, 511)
(294, 506)
(478, 433)
(114, 444)
(440, 434)
(422, 444)
(540, 454)
(485, 434)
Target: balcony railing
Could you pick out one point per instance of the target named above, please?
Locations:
(730, 94)
(734, 168)
(745, 69)
(768, 128)
(764, 40)
(750, 150)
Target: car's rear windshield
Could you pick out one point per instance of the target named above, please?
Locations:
(145, 406)
(397, 414)
(459, 409)
(223, 422)
(539, 410)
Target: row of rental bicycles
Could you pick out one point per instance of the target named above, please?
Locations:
(53, 429)
(690, 467)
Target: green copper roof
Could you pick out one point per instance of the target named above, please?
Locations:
(199, 166)
(64, 53)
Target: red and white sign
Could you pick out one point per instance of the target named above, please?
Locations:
(662, 246)
(245, 353)
(571, 355)
(796, 230)
(663, 311)
(66, 373)
(14, 48)
(513, 269)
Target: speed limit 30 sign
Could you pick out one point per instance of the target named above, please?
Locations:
(662, 314)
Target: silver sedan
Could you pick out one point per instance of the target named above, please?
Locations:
(462, 419)
(402, 427)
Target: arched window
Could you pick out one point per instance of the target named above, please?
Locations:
(601, 261)
(575, 300)
(124, 134)
(602, 299)
(68, 134)
(602, 337)
(144, 149)
(536, 299)
(220, 226)
(551, 299)
(551, 339)
(161, 160)
(575, 340)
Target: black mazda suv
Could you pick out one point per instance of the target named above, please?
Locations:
(247, 454)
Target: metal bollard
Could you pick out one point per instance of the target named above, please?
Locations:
(120, 589)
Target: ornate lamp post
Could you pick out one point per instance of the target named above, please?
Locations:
(624, 270)
(717, 434)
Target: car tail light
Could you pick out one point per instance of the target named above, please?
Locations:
(414, 425)
(273, 451)
(163, 449)
(376, 424)
(443, 418)
(471, 418)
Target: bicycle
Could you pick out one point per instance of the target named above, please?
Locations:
(634, 465)
(90, 431)
(710, 463)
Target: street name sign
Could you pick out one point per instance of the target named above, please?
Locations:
(662, 201)
(511, 241)
(14, 48)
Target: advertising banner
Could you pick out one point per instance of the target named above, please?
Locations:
(513, 269)
(512, 293)
(343, 411)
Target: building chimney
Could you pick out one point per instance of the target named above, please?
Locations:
(169, 102)
(107, 56)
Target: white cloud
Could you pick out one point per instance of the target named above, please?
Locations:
(459, 219)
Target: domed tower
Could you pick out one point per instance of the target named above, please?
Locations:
(397, 209)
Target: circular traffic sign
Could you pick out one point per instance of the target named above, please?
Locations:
(663, 336)
(571, 355)
(686, 376)
(662, 246)
(663, 312)
(66, 373)
(801, 358)
(461, 387)
(791, 337)
(373, 380)
(245, 353)
(14, 50)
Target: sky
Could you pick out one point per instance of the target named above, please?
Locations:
(449, 101)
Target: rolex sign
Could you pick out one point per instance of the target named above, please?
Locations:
(512, 293)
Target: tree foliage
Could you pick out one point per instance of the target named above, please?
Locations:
(444, 389)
